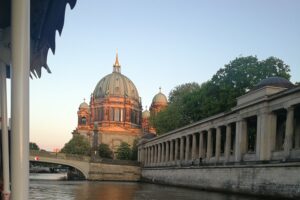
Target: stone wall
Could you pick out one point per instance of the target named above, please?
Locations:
(271, 179)
(112, 172)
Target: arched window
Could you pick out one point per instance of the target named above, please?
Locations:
(83, 121)
(117, 114)
(111, 114)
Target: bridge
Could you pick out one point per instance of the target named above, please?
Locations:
(92, 169)
(81, 163)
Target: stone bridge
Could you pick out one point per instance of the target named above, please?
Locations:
(82, 163)
(100, 169)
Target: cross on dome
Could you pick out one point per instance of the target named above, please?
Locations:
(117, 66)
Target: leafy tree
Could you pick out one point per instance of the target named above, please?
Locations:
(173, 116)
(33, 146)
(191, 102)
(134, 150)
(243, 73)
(104, 151)
(123, 152)
(179, 91)
(77, 145)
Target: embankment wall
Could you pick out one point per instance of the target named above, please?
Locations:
(265, 179)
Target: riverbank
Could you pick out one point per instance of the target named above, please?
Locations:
(273, 180)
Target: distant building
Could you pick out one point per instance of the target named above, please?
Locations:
(115, 111)
(159, 102)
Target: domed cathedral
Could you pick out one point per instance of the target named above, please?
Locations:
(159, 102)
(115, 110)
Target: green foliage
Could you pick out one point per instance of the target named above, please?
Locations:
(33, 146)
(105, 151)
(134, 150)
(181, 90)
(190, 102)
(173, 116)
(77, 145)
(123, 152)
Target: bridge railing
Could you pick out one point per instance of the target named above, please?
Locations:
(60, 155)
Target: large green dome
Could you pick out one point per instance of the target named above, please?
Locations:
(116, 85)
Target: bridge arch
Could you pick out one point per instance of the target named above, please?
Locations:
(82, 166)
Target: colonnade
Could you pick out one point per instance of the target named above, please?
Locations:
(194, 147)
(223, 143)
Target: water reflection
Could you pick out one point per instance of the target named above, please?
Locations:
(84, 190)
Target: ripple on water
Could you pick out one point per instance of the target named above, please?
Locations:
(85, 190)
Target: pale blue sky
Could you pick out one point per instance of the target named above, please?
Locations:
(161, 43)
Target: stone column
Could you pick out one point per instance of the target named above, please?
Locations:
(167, 159)
(159, 154)
(241, 139)
(289, 130)
(181, 149)
(297, 134)
(218, 143)
(209, 144)
(228, 142)
(194, 147)
(146, 156)
(151, 155)
(155, 153)
(171, 150)
(176, 150)
(162, 152)
(139, 155)
(201, 145)
(187, 148)
(266, 135)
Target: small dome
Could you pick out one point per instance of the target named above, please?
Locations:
(160, 98)
(148, 136)
(146, 114)
(84, 105)
(274, 81)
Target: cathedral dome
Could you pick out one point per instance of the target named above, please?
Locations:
(160, 98)
(84, 105)
(116, 85)
(146, 114)
(274, 81)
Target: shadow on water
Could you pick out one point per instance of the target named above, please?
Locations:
(85, 190)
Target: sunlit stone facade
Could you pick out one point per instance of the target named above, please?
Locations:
(115, 111)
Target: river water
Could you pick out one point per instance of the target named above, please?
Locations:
(97, 190)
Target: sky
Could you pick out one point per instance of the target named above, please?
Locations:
(160, 44)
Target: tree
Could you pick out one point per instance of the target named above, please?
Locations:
(190, 102)
(179, 91)
(33, 146)
(77, 145)
(104, 151)
(173, 116)
(134, 150)
(123, 152)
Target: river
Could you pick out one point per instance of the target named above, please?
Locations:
(87, 190)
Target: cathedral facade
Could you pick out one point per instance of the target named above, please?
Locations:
(115, 111)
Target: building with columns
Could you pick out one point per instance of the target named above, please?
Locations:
(263, 126)
(115, 111)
